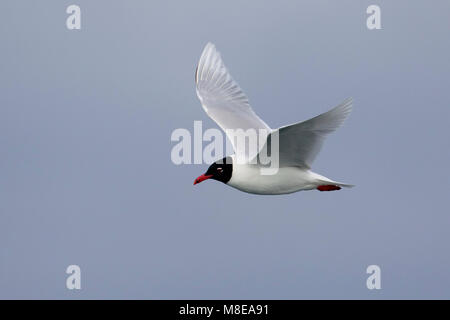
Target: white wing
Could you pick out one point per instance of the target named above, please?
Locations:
(223, 99)
(300, 143)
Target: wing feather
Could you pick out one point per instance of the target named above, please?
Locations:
(300, 143)
(222, 98)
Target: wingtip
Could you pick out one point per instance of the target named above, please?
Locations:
(349, 101)
(346, 106)
(206, 51)
(209, 47)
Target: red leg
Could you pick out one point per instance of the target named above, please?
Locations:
(328, 187)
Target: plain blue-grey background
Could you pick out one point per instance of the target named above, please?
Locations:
(86, 176)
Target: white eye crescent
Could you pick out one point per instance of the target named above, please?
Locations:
(219, 170)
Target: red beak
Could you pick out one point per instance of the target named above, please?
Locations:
(202, 178)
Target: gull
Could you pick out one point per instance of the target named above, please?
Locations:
(298, 144)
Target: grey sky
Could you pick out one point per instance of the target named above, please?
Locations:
(86, 177)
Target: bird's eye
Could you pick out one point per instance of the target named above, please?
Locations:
(219, 170)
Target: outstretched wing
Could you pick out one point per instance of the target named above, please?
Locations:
(300, 143)
(223, 100)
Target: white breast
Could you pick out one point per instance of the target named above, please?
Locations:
(249, 178)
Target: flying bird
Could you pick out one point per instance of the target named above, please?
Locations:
(298, 144)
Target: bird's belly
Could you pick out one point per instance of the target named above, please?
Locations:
(286, 180)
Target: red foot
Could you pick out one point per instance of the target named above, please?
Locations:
(328, 187)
